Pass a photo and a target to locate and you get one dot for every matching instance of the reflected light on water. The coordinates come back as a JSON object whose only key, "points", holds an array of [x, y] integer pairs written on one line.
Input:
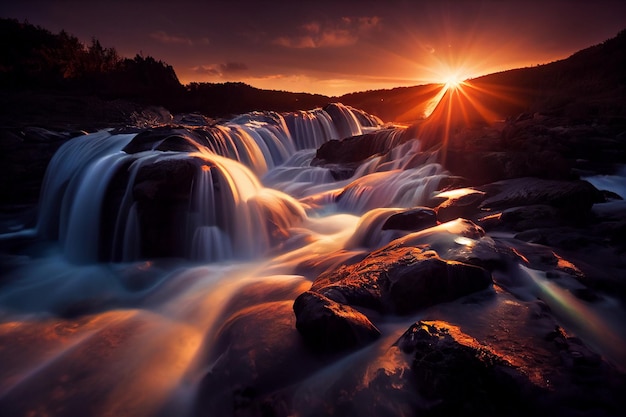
{"points": [[141, 358], [604, 332], [462, 240], [458, 193]]}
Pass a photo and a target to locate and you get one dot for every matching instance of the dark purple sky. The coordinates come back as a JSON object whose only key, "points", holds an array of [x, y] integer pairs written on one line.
{"points": [[333, 47]]}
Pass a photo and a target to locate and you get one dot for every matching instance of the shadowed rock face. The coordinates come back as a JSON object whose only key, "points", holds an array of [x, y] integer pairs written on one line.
{"points": [[484, 167], [401, 280], [24, 157], [570, 200], [358, 148], [162, 191], [412, 220], [165, 139], [327, 325], [571, 197], [458, 376]]}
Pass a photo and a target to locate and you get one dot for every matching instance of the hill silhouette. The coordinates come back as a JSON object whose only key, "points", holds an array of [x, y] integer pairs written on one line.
{"points": [[591, 82]]}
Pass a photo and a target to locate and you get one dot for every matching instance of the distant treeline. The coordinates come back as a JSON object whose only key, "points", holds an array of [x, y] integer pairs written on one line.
{"points": [[33, 58]]}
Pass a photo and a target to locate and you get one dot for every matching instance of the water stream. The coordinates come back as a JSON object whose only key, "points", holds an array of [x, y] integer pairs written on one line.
{"points": [[157, 267]]}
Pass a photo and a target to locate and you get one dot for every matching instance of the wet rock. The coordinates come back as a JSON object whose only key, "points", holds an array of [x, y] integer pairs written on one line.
{"points": [[401, 280], [192, 119], [357, 148], [460, 377], [162, 191], [433, 280], [463, 203], [527, 217], [165, 179], [488, 166], [163, 139], [244, 371], [327, 325], [412, 220], [560, 237], [573, 199]]}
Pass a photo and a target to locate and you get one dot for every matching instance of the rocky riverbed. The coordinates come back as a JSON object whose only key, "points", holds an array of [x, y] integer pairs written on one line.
{"points": [[502, 293]]}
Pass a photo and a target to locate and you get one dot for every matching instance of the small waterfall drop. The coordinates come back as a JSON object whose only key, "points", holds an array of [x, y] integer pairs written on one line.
{"points": [[189, 192], [395, 188]]}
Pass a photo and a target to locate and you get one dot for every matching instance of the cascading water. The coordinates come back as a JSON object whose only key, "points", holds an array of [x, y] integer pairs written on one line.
{"points": [[200, 203], [172, 258]]}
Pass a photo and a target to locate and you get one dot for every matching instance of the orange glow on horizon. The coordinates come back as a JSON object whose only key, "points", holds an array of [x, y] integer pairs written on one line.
{"points": [[465, 104], [453, 79]]}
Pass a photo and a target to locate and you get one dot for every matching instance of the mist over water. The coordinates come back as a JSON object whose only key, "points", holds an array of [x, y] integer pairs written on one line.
{"points": [[163, 255]]}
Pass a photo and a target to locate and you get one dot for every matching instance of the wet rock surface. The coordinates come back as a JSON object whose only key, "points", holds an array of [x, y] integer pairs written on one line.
{"points": [[162, 191], [401, 280], [456, 375], [411, 220], [327, 325]]}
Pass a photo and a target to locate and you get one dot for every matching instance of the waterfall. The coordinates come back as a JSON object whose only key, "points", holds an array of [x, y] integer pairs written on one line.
{"points": [[189, 192], [395, 188], [64, 171], [615, 182]]}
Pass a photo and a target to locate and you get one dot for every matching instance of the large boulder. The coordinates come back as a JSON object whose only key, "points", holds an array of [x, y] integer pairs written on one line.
{"points": [[411, 220], [401, 280], [162, 191], [327, 325], [488, 166], [165, 138], [524, 218], [429, 280], [520, 203], [463, 202], [358, 148], [458, 376], [573, 198]]}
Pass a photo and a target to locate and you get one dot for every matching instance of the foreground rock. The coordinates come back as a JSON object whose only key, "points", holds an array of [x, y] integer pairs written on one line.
{"points": [[327, 325], [457, 376], [411, 220], [399, 278]]}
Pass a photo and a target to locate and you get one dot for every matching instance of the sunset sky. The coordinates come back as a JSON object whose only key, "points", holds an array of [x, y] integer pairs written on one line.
{"points": [[333, 47]]}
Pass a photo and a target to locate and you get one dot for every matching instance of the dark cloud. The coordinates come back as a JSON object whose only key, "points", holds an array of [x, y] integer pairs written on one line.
{"points": [[221, 70], [231, 67], [344, 31], [163, 37], [167, 39]]}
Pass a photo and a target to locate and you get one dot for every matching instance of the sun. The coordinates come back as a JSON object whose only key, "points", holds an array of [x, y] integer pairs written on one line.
{"points": [[452, 81]]}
